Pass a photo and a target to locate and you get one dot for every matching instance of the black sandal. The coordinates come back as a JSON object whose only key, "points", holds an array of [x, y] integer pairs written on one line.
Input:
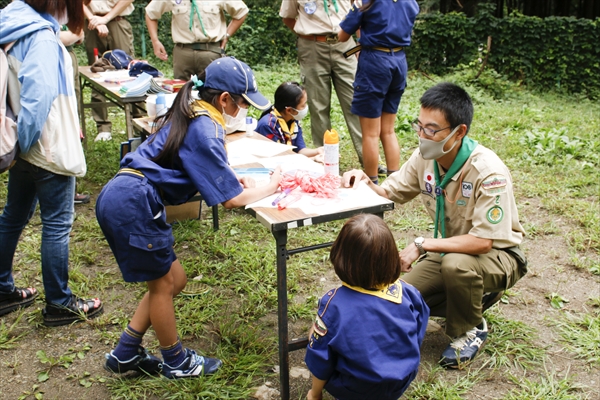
{"points": [[75, 311], [19, 298]]}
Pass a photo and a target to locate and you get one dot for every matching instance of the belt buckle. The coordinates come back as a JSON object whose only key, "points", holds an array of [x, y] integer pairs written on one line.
{"points": [[331, 39]]}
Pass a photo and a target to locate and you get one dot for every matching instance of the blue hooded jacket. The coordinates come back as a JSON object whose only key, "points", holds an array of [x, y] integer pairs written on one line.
{"points": [[42, 73]]}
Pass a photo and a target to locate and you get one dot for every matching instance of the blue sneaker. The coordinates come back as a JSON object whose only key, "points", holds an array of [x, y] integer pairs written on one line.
{"points": [[193, 365], [142, 362], [464, 348]]}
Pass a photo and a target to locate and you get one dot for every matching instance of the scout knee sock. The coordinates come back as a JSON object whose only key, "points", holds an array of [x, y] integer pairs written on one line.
{"points": [[173, 355], [374, 179], [128, 344], [388, 173]]}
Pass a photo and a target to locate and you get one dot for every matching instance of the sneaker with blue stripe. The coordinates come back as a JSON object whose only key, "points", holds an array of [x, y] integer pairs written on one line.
{"points": [[141, 362], [193, 365], [464, 349]]}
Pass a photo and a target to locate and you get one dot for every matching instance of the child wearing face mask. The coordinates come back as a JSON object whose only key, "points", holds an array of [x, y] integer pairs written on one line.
{"points": [[186, 155], [282, 122]]}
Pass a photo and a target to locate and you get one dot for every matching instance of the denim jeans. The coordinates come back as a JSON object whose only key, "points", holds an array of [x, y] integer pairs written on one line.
{"points": [[28, 184]]}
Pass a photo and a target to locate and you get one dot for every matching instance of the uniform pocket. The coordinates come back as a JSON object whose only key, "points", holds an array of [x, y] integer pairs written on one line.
{"points": [[151, 251]]}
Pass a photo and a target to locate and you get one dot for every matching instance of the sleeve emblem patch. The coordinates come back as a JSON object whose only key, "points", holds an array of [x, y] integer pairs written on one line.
{"points": [[496, 181], [319, 327], [495, 214]]}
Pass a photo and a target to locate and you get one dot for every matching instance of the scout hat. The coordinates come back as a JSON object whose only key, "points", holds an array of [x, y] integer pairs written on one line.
{"points": [[236, 77]]}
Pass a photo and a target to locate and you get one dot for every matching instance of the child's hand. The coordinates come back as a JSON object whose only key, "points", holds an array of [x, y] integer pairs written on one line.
{"points": [[318, 158], [314, 396], [276, 178], [247, 182]]}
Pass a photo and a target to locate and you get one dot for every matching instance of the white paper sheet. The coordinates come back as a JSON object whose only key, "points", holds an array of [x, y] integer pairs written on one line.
{"points": [[292, 162], [260, 148]]}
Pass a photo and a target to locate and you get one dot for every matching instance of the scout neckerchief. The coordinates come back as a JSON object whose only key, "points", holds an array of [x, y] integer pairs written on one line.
{"points": [[392, 292], [466, 148], [284, 129], [196, 10], [335, 5], [201, 107]]}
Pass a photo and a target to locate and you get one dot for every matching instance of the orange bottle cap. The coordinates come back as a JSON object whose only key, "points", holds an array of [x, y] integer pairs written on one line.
{"points": [[331, 137]]}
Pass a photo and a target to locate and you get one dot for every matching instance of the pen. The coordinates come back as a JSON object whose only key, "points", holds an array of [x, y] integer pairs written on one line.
{"points": [[282, 196]]}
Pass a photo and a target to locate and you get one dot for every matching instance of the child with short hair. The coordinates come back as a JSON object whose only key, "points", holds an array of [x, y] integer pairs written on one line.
{"points": [[365, 341], [385, 29], [281, 123], [185, 156]]}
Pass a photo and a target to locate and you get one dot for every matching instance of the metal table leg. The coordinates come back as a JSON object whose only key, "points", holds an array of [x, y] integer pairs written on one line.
{"points": [[282, 317]]}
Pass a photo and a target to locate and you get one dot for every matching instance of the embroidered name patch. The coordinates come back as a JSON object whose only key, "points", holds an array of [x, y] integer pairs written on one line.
{"points": [[495, 214], [467, 189]]}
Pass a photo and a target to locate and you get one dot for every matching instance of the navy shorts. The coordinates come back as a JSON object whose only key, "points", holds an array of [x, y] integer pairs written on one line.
{"points": [[133, 219], [379, 83], [348, 387]]}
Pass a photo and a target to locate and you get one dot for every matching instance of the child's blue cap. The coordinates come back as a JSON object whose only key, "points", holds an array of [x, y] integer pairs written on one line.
{"points": [[234, 76]]}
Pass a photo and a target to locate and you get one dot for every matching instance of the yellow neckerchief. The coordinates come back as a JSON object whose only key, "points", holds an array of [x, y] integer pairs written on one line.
{"points": [[287, 136], [392, 292], [201, 107]]}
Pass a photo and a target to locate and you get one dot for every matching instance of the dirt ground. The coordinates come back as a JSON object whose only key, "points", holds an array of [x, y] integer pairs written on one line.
{"points": [[550, 270]]}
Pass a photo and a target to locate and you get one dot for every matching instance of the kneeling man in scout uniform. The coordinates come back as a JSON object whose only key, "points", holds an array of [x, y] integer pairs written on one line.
{"points": [[468, 192]]}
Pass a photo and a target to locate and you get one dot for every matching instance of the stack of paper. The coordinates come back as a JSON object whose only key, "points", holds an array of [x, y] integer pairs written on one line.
{"points": [[143, 85], [137, 88]]}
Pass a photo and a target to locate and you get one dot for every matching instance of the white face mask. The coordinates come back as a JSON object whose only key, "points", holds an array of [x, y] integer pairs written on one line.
{"points": [[432, 150], [237, 123], [301, 113]]}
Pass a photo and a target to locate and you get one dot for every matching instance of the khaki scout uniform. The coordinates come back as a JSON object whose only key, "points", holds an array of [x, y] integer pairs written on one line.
{"points": [[196, 48], [120, 36], [479, 201], [322, 63]]}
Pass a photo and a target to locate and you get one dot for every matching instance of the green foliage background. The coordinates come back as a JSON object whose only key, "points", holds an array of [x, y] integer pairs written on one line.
{"points": [[552, 53]]}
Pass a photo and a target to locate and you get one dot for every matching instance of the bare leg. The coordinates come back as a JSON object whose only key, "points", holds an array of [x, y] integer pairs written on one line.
{"points": [[156, 308], [390, 142], [371, 128]]}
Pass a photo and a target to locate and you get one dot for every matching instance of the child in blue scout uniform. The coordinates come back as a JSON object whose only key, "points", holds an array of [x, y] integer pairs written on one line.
{"points": [[282, 122], [385, 29], [185, 156], [366, 339]]}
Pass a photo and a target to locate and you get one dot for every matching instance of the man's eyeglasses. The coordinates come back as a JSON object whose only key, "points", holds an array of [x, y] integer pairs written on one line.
{"points": [[427, 131]]}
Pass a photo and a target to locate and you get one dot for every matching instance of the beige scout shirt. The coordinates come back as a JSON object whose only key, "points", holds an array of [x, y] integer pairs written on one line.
{"points": [[211, 12], [479, 200], [312, 18], [102, 7]]}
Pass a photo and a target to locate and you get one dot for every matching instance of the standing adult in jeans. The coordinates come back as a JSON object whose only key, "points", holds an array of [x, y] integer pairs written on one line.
{"points": [[107, 29], [322, 63], [199, 30], [47, 103]]}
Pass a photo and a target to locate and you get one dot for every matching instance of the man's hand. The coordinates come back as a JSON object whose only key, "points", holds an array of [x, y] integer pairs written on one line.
{"points": [[159, 50], [352, 178], [102, 30], [96, 20], [409, 255]]}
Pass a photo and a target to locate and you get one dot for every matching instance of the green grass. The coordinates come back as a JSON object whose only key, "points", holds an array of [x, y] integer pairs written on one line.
{"points": [[549, 142]]}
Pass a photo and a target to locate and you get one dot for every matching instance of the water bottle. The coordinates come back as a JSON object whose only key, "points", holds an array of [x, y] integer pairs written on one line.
{"points": [[250, 126], [331, 152], [161, 104]]}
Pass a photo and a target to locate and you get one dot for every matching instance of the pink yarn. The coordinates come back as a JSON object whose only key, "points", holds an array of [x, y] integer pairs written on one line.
{"points": [[322, 186]]}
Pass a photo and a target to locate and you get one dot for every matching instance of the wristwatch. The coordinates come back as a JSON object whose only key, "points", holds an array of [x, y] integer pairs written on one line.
{"points": [[419, 243], [227, 35]]}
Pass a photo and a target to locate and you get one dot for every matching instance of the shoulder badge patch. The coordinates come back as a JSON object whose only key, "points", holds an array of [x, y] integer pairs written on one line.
{"points": [[495, 214], [496, 181], [319, 327]]}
